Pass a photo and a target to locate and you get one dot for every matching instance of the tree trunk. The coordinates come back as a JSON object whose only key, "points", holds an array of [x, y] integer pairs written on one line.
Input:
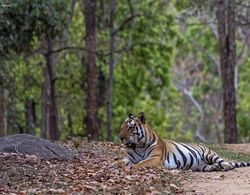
{"points": [[103, 14], [30, 116], [3, 111], [70, 125], [50, 128], [91, 106], [111, 68], [227, 48]]}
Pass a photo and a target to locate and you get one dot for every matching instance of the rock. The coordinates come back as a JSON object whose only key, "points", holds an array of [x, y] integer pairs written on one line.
{"points": [[31, 145]]}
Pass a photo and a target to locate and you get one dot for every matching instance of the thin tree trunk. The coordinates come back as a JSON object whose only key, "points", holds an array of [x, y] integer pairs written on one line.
{"points": [[111, 69], [70, 124], [50, 128], [30, 116], [3, 111], [103, 14], [198, 133], [227, 48], [91, 119]]}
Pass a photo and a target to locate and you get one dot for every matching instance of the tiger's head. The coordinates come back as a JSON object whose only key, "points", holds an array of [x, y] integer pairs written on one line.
{"points": [[132, 132]]}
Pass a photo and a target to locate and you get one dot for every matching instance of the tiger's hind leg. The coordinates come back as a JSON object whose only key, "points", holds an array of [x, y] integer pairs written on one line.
{"points": [[210, 168]]}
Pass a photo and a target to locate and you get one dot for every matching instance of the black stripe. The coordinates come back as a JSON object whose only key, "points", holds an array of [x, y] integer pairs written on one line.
{"points": [[131, 155], [176, 161], [151, 149], [130, 128], [140, 127], [196, 151], [192, 161], [211, 158], [168, 158], [151, 141], [216, 158], [236, 165], [189, 149], [203, 153], [133, 159], [140, 138], [182, 155], [203, 169], [146, 136], [141, 133], [207, 155], [221, 161], [138, 153], [179, 164], [141, 130]]}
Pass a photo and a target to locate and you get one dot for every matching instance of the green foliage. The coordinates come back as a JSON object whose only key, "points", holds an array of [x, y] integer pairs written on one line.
{"points": [[244, 101], [153, 40], [25, 19], [142, 78], [23, 25], [26, 83]]}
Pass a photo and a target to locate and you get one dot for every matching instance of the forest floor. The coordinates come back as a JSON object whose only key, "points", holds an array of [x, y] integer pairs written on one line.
{"points": [[94, 173]]}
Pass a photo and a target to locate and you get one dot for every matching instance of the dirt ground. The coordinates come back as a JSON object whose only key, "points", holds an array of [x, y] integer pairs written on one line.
{"points": [[221, 183]]}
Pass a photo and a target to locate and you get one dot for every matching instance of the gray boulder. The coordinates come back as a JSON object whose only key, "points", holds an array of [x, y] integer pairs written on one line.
{"points": [[31, 145]]}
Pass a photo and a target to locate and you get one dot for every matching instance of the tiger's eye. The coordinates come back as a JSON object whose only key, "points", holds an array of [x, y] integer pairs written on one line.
{"points": [[132, 123]]}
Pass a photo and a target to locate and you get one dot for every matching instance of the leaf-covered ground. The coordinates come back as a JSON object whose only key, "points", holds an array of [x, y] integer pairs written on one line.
{"points": [[92, 173]]}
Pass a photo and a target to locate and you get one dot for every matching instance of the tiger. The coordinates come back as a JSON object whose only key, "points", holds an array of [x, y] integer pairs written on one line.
{"points": [[146, 149]]}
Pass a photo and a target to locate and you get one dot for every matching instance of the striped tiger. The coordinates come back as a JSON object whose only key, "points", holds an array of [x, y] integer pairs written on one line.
{"points": [[146, 148]]}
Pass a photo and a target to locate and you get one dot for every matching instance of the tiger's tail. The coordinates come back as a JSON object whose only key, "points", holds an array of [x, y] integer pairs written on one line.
{"points": [[241, 164]]}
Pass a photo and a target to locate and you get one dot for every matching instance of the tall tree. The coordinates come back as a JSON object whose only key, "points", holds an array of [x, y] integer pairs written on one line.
{"points": [[50, 128], [29, 106], [50, 118], [3, 111], [111, 70], [30, 116], [91, 105], [22, 28], [227, 49]]}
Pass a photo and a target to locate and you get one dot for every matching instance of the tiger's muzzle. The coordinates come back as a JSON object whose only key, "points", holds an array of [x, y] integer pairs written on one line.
{"points": [[128, 143]]}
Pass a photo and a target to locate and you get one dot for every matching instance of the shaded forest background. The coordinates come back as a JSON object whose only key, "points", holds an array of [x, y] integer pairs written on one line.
{"points": [[77, 68]]}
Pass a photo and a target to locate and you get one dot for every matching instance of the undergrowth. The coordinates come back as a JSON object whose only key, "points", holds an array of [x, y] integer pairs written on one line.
{"points": [[229, 155]]}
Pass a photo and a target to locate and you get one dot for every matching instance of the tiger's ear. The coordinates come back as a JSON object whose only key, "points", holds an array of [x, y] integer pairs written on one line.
{"points": [[142, 117], [131, 116]]}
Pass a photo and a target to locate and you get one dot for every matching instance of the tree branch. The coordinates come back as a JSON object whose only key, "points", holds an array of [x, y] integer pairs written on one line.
{"points": [[125, 22], [199, 108], [73, 48], [124, 49], [199, 128]]}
